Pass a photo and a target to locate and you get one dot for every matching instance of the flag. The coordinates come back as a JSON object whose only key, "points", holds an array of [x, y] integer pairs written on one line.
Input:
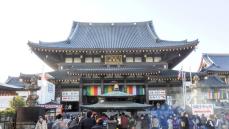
{"points": [[179, 76]]}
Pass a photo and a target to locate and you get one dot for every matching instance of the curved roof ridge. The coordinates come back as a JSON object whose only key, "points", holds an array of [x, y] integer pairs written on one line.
{"points": [[181, 41], [151, 27], [73, 30], [216, 54], [152, 33], [210, 60], [125, 23], [56, 42]]}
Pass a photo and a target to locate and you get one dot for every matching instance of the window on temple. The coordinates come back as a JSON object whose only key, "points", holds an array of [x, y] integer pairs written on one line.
{"points": [[129, 59], [138, 59], [68, 60], [88, 60], [77, 60], [97, 60], [157, 59], [149, 59]]}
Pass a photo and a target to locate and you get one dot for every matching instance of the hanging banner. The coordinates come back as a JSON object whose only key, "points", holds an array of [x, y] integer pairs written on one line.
{"points": [[217, 94], [70, 96], [47, 91], [159, 94], [199, 109], [135, 90]]}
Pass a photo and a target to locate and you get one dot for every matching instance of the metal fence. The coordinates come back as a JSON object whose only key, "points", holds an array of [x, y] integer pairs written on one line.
{"points": [[7, 122]]}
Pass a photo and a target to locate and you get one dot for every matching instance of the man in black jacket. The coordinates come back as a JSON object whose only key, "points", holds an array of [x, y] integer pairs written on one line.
{"points": [[88, 122], [184, 124]]}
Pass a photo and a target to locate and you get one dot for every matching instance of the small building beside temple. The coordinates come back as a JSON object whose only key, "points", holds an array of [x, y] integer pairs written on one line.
{"points": [[212, 87], [215, 64], [13, 87], [94, 55]]}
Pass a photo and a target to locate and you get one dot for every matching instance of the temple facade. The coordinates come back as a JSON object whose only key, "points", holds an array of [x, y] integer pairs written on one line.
{"points": [[95, 55]]}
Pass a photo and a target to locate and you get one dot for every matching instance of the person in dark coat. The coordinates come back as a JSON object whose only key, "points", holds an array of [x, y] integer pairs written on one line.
{"points": [[88, 122], [99, 124], [210, 123], [112, 123], [184, 123], [74, 123], [144, 122]]}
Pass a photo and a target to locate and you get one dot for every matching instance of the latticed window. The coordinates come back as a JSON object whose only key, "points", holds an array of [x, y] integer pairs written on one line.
{"points": [[157, 59], [68, 60], [129, 59], [97, 59], [77, 60], [138, 59], [88, 60], [149, 59]]}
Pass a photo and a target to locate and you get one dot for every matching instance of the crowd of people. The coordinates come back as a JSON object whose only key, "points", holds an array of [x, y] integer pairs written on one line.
{"points": [[159, 118]]}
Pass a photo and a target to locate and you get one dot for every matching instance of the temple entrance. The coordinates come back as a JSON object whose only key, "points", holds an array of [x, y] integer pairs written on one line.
{"points": [[156, 102], [90, 99], [70, 106], [139, 99]]}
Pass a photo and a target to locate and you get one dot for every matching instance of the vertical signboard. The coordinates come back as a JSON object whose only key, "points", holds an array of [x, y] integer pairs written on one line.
{"points": [[47, 91]]}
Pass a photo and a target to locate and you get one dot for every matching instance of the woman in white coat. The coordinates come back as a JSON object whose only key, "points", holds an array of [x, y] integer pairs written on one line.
{"points": [[41, 123]]}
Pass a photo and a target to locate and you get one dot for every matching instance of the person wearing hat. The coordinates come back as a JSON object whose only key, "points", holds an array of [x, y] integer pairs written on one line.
{"points": [[41, 123]]}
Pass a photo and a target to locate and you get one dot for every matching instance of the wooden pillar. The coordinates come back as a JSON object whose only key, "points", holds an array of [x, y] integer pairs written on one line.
{"points": [[102, 85], [80, 94], [125, 84], [147, 91]]}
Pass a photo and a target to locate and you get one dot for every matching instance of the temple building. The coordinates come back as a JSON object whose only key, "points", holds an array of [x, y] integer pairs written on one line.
{"points": [[94, 55], [213, 84], [215, 64], [8, 90]]}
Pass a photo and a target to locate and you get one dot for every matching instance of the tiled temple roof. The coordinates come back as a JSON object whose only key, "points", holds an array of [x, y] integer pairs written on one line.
{"points": [[4, 86], [95, 36], [211, 82], [117, 105], [15, 81], [216, 62]]}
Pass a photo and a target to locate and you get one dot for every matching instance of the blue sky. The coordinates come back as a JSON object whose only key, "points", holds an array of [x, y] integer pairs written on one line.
{"points": [[50, 20]]}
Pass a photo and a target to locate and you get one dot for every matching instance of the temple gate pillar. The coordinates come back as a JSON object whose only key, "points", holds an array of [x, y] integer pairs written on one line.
{"points": [[147, 91], [80, 94], [102, 85]]}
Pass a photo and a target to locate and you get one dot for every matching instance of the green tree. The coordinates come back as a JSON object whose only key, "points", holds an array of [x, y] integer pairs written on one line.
{"points": [[16, 102]]}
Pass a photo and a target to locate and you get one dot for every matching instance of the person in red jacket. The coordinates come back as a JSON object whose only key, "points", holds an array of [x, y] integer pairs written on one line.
{"points": [[124, 121]]}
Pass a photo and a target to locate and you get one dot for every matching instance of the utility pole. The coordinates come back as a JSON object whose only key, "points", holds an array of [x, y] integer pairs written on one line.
{"points": [[184, 87]]}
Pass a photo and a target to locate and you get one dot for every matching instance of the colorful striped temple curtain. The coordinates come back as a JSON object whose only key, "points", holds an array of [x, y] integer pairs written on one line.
{"points": [[217, 94], [135, 90], [92, 91], [108, 89]]}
